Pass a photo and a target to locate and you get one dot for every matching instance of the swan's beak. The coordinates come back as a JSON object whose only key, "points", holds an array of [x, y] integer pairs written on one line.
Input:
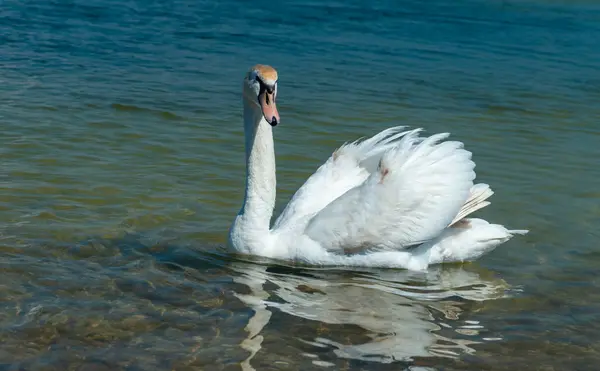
{"points": [[269, 109]]}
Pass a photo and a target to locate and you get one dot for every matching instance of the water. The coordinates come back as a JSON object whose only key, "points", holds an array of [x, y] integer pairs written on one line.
{"points": [[122, 166]]}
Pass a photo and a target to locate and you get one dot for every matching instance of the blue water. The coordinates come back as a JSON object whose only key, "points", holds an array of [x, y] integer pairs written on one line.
{"points": [[121, 167]]}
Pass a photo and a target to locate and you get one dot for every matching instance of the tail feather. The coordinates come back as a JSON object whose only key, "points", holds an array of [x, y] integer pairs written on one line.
{"points": [[477, 200], [475, 238]]}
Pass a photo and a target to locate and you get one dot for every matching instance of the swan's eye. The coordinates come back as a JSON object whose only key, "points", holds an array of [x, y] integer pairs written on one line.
{"points": [[269, 88]]}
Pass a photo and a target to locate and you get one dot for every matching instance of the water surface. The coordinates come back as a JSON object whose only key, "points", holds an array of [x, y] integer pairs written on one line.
{"points": [[121, 157]]}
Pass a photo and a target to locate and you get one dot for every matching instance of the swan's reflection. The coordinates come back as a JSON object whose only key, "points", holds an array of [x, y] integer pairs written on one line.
{"points": [[397, 308]]}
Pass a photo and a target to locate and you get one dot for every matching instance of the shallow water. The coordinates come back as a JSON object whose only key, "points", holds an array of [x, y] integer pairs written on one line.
{"points": [[122, 166]]}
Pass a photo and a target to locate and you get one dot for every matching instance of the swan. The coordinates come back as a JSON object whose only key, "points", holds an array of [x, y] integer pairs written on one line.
{"points": [[393, 200]]}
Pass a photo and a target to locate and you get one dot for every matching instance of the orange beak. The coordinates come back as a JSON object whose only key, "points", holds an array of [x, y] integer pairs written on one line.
{"points": [[269, 109]]}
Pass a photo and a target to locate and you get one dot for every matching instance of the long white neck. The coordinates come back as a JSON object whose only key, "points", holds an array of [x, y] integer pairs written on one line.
{"points": [[259, 200]]}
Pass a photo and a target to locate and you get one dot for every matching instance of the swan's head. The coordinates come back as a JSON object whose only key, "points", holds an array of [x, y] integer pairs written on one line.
{"points": [[260, 91]]}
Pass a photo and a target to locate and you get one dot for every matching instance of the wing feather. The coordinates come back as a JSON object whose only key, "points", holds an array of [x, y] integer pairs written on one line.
{"points": [[417, 190], [348, 167]]}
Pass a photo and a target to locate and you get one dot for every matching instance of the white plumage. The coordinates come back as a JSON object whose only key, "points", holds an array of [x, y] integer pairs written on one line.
{"points": [[392, 200]]}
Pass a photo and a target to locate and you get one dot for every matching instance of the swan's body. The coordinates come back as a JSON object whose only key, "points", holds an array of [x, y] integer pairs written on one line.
{"points": [[392, 200]]}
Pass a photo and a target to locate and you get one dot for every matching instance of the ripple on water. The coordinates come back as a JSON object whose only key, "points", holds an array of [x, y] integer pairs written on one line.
{"points": [[165, 115], [122, 162]]}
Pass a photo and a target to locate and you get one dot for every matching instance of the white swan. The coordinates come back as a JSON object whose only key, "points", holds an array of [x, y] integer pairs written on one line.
{"points": [[392, 200]]}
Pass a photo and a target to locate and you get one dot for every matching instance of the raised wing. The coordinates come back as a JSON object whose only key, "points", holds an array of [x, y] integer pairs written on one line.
{"points": [[416, 191], [348, 167]]}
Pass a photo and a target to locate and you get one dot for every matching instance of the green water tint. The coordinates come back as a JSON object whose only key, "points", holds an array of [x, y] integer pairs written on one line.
{"points": [[122, 166]]}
